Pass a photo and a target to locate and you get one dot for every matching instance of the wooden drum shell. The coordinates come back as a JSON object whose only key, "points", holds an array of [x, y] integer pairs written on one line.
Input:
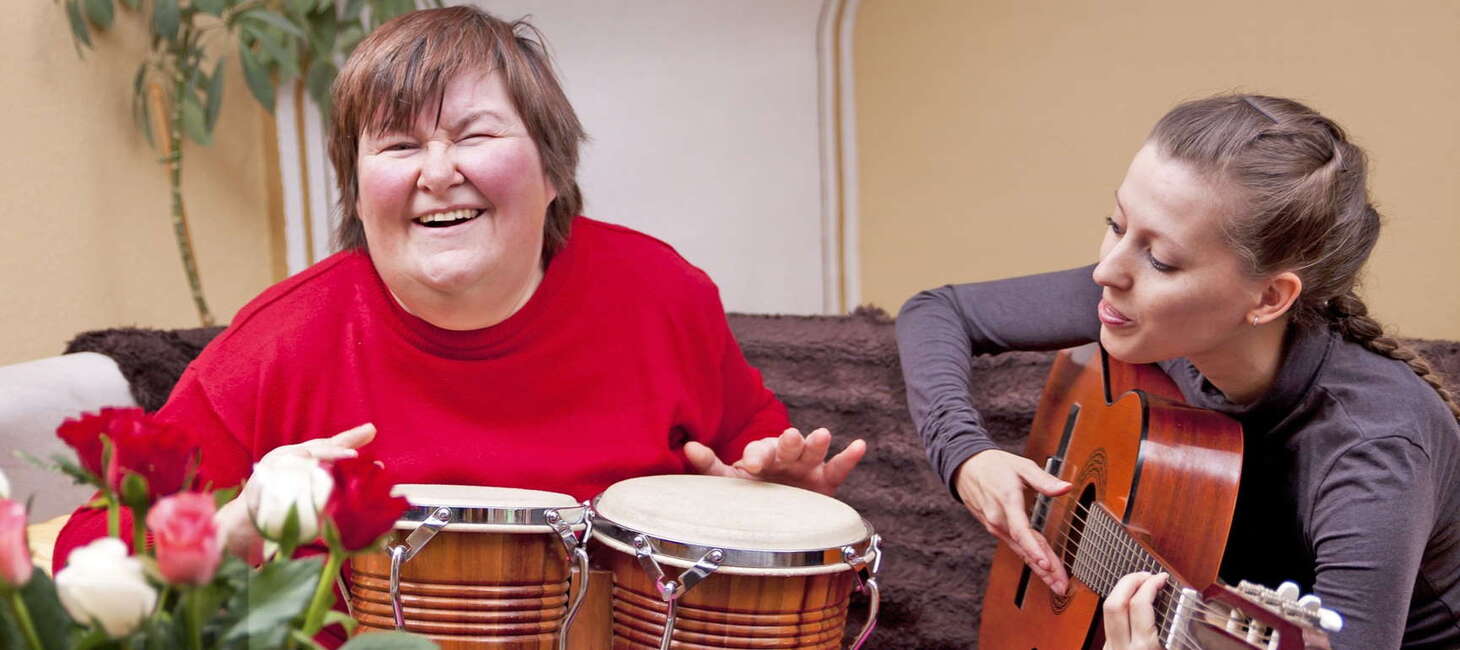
{"points": [[729, 610], [470, 590]]}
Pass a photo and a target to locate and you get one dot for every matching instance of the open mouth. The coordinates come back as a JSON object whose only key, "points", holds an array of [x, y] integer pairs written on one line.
{"points": [[447, 219]]}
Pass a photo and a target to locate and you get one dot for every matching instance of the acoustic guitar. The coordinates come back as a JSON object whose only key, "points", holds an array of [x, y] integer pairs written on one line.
{"points": [[1154, 486]]}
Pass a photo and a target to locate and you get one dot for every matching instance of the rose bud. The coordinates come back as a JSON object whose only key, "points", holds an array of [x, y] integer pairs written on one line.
{"points": [[362, 507], [102, 585], [188, 547], [283, 482], [15, 562]]}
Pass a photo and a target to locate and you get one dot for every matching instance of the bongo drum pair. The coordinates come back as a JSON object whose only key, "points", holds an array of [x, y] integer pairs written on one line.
{"points": [[696, 562]]}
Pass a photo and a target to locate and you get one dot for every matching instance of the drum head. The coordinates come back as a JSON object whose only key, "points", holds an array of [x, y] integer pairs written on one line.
{"points": [[772, 522], [476, 508]]}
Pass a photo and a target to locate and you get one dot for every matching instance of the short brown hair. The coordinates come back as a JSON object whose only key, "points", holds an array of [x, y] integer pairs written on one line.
{"points": [[403, 68]]}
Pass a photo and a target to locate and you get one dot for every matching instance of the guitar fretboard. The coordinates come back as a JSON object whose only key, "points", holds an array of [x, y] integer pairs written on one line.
{"points": [[1104, 552]]}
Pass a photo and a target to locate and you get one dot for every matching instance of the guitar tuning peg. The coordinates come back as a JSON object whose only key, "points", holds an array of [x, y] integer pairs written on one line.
{"points": [[1310, 602], [1288, 591], [1329, 620]]}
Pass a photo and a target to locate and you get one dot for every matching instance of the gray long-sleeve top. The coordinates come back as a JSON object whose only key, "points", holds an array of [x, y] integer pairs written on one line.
{"points": [[1351, 469]]}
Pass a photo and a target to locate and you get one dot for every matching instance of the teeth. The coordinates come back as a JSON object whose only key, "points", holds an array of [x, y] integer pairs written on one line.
{"points": [[454, 215]]}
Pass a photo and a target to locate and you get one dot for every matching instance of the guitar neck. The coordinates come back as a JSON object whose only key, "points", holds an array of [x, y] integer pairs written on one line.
{"points": [[1104, 551]]}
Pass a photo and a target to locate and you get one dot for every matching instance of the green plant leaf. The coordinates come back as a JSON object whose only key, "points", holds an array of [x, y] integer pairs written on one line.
{"points": [[353, 9], [276, 595], [194, 121], [389, 640], [214, 7], [223, 496], [299, 7], [271, 18], [166, 16], [323, 28], [79, 33], [215, 95], [273, 50], [132, 4], [257, 77], [337, 617], [349, 37], [100, 13], [321, 75], [52, 623]]}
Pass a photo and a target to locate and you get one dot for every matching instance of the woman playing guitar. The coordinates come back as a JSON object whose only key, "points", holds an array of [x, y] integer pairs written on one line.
{"points": [[1230, 260]]}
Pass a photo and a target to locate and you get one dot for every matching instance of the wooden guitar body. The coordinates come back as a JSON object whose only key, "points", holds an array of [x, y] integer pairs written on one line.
{"points": [[1122, 435]]}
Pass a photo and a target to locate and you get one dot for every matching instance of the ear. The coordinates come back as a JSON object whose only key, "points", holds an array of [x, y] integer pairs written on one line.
{"points": [[1278, 295]]}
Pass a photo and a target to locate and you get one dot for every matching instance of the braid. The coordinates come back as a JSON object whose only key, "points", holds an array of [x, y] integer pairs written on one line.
{"points": [[1350, 316]]}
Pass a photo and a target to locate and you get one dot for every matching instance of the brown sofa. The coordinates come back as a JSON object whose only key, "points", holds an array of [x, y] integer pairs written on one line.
{"points": [[841, 373]]}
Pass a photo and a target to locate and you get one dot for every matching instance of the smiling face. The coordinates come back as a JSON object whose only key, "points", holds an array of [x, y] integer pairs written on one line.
{"points": [[1173, 287], [453, 207]]}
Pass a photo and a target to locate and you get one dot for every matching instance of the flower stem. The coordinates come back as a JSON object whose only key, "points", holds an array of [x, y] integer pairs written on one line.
{"points": [[195, 615], [113, 518], [139, 533], [315, 617], [27, 628]]}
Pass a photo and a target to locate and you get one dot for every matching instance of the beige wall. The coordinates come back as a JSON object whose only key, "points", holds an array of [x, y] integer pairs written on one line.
{"points": [[991, 134], [87, 240]]}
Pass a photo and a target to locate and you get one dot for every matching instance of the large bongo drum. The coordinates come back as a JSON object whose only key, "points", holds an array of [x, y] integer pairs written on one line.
{"points": [[704, 562], [477, 567]]}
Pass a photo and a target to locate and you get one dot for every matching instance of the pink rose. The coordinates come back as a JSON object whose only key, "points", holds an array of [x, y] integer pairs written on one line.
{"points": [[15, 564], [188, 548]]}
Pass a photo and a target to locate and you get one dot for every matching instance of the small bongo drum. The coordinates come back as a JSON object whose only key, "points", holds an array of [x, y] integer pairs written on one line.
{"points": [[477, 567], [704, 562]]}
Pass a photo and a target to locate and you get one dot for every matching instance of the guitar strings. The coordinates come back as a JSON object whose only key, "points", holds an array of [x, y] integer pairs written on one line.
{"points": [[1123, 543]]}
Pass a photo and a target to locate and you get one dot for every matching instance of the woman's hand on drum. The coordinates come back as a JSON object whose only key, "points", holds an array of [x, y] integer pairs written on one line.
{"points": [[790, 459], [1130, 612], [238, 533], [991, 484]]}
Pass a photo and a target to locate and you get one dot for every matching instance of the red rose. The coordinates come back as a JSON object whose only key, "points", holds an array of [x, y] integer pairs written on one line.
{"points": [[361, 506], [15, 565], [188, 548], [84, 435], [159, 452]]}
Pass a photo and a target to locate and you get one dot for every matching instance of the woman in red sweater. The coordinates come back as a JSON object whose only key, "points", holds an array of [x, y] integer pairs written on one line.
{"points": [[491, 334]]}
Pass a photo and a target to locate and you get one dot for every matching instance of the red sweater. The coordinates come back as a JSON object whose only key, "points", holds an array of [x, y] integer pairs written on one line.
{"points": [[621, 356]]}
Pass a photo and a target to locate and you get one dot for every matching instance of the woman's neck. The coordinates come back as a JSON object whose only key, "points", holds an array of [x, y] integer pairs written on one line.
{"points": [[1245, 369], [476, 308]]}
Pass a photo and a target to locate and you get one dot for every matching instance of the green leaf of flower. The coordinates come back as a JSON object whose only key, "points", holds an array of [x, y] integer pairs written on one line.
{"points": [[52, 623], [388, 641], [166, 16], [134, 489], [100, 12], [276, 595], [257, 77], [215, 95], [78, 25]]}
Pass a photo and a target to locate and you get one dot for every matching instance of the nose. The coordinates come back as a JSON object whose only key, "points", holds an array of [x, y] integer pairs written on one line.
{"points": [[1111, 271], [438, 169]]}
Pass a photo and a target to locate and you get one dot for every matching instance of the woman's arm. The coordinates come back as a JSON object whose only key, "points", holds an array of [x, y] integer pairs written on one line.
{"points": [[1371, 520], [939, 331]]}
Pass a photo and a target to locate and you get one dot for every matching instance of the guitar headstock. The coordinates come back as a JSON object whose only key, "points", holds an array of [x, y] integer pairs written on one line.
{"points": [[1254, 616]]}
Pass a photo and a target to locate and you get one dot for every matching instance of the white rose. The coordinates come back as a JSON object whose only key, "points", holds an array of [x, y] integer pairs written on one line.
{"points": [[4, 486], [283, 481], [101, 584]]}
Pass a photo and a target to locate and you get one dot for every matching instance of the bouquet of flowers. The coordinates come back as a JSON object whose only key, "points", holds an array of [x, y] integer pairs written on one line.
{"points": [[177, 588]]}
